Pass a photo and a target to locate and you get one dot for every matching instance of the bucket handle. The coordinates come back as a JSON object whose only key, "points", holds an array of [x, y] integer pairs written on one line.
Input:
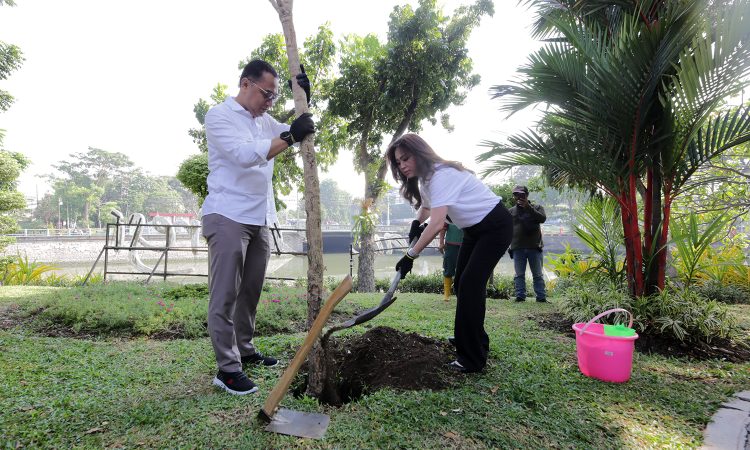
{"points": [[630, 325]]}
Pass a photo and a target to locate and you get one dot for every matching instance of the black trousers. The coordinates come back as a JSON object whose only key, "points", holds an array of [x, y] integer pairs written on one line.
{"points": [[483, 245]]}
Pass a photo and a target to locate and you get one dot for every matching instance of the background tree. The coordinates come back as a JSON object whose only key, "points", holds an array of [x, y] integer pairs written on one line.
{"points": [[633, 90], [11, 59], [11, 163], [87, 177], [91, 184], [386, 89], [336, 203], [46, 210]]}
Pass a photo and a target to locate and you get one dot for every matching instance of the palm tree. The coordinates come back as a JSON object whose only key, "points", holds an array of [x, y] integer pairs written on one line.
{"points": [[633, 91]]}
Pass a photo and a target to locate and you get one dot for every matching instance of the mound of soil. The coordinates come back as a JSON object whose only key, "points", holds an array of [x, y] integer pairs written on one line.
{"points": [[659, 344], [384, 357]]}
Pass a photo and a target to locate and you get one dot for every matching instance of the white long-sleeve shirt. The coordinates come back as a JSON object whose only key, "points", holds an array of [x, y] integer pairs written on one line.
{"points": [[239, 178]]}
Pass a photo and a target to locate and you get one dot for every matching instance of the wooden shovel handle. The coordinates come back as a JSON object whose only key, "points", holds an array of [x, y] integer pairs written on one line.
{"points": [[278, 392]]}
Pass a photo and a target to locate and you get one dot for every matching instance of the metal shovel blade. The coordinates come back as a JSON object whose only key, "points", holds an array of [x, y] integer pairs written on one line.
{"points": [[298, 423]]}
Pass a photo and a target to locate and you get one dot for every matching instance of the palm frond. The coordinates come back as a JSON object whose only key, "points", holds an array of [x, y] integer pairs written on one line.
{"points": [[725, 131]]}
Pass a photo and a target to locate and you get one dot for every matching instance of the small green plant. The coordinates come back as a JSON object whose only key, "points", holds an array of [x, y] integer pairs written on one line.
{"points": [[365, 222], [21, 271], [600, 228], [571, 264], [195, 290], [726, 265]]}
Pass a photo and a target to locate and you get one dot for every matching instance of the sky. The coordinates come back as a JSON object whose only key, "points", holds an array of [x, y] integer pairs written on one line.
{"points": [[124, 76]]}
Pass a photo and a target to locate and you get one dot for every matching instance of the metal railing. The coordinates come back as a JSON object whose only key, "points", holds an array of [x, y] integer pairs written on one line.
{"points": [[58, 232], [353, 252], [117, 232]]}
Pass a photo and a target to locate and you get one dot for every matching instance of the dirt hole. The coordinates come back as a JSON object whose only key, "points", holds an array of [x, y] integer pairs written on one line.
{"points": [[383, 357]]}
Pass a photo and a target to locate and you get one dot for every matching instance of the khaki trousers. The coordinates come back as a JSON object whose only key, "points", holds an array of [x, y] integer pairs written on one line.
{"points": [[238, 255]]}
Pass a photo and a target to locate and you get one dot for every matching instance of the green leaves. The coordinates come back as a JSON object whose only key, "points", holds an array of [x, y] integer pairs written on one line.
{"points": [[11, 59], [631, 90], [193, 173], [600, 228], [723, 132], [692, 239]]}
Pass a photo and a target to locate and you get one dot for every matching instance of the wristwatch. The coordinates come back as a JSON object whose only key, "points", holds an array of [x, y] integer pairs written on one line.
{"points": [[287, 137]]}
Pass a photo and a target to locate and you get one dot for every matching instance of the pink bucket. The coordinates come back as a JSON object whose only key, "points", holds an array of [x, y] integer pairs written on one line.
{"points": [[606, 358]]}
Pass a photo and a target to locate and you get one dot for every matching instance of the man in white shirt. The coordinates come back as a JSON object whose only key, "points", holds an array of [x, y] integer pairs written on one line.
{"points": [[242, 142]]}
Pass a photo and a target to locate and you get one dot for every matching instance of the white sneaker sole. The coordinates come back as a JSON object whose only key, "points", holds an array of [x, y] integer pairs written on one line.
{"points": [[217, 382]]}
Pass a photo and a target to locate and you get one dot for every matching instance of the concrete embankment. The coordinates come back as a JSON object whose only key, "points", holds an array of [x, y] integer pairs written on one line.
{"points": [[73, 251], [86, 250]]}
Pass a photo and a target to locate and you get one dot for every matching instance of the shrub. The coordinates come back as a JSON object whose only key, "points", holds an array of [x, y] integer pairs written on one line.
{"points": [[721, 292], [502, 288], [680, 314], [584, 299], [687, 316], [134, 309]]}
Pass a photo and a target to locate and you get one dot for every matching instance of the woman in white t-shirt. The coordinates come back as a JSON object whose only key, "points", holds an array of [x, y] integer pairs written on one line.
{"points": [[441, 190]]}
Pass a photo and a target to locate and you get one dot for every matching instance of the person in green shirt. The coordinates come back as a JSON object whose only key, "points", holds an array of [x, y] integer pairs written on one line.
{"points": [[450, 241]]}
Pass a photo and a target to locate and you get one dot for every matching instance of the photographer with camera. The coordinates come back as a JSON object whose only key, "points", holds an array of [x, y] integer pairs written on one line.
{"points": [[527, 244]]}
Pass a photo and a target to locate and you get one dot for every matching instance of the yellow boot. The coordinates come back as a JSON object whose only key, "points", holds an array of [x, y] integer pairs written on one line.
{"points": [[447, 285]]}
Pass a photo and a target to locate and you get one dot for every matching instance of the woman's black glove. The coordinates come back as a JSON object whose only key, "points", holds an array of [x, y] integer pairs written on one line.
{"points": [[303, 82], [404, 265], [302, 126], [416, 230]]}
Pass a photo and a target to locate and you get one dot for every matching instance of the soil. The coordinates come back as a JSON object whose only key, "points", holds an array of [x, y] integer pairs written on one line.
{"points": [[662, 345], [384, 358]]}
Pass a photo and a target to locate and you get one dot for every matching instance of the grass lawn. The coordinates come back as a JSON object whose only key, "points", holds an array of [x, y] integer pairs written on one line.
{"points": [[133, 391]]}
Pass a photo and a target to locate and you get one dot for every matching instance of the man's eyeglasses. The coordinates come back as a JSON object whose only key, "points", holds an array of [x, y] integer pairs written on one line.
{"points": [[268, 95]]}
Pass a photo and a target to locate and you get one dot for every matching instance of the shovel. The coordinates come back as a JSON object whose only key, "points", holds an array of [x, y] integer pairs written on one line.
{"points": [[296, 423], [364, 316]]}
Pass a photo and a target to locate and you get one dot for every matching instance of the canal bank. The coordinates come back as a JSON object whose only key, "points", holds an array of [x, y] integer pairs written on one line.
{"points": [[76, 256]]}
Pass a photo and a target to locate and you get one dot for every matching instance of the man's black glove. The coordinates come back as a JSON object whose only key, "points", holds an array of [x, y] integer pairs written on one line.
{"points": [[302, 81], [510, 253], [302, 126], [416, 230], [404, 265]]}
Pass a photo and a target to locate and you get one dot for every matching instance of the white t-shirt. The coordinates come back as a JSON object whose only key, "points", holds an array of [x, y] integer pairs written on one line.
{"points": [[468, 199], [239, 177]]}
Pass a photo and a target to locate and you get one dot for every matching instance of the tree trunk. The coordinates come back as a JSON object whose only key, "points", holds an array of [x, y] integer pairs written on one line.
{"points": [[373, 188], [314, 233], [86, 214], [366, 262]]}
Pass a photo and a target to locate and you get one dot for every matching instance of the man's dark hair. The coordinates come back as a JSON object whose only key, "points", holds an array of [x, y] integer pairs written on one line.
{"points": [[255, 68]]}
